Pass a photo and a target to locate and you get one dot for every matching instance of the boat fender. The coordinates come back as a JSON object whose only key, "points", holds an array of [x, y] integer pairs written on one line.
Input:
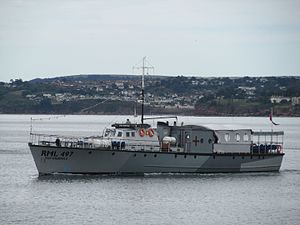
{"points": [[142, 132], [150, 132]]}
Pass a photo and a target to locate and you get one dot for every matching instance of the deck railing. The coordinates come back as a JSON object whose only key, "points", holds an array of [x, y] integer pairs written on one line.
{"points": [[92, 142], [267, 142], [63, 141]]}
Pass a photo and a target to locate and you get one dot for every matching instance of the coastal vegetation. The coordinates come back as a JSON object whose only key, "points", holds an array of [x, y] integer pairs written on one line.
{"points": [[183, 95]]}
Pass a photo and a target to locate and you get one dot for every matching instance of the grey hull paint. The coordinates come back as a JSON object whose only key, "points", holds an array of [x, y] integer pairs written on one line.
{"points": [[50, 160]]}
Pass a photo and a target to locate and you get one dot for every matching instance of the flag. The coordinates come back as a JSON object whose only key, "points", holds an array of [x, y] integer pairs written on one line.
{"points": [[271, 118]]}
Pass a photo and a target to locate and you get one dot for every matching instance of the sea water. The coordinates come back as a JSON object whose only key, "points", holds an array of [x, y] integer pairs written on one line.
{"points": [[246, 198]]}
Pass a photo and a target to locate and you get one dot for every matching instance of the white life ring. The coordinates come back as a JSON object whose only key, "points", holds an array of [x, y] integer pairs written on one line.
{"points": [[279, 148], [142, 132], [150, 132]]}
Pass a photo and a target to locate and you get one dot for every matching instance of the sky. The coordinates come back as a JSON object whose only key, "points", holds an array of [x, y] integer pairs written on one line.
{"points": [[52, 38]]}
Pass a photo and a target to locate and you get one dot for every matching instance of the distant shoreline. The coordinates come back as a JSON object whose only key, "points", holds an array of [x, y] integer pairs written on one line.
{"points": [[121, 95], [179, 115]]}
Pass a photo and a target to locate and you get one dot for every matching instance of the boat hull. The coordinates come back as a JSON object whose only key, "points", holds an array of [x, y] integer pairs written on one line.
{"points": [[49, 160]]}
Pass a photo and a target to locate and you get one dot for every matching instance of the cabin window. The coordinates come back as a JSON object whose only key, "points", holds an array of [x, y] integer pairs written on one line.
{"points": [[109, 133], [132, 134], [246, 137], [119, 134], [227, 137], [237, 137], [201, 140], [209, 141], [127, 134]]}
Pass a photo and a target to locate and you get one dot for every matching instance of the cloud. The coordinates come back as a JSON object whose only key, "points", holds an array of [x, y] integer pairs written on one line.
{"points": [[78, 36]]}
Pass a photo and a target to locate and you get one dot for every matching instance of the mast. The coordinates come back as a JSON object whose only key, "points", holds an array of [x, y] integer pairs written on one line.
{"points": [[143, 89], [144, 68]]}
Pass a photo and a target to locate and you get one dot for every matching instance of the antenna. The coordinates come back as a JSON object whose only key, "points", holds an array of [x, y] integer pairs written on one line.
{"points": [[30, 125], [42, 118], [146, 66]]}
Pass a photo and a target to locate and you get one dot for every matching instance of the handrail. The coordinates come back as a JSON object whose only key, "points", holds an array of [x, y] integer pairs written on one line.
{"points": [[87, 142], [267, 133]]}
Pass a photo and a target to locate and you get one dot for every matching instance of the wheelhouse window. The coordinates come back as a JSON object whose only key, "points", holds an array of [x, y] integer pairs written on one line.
{"points": [[106, 134], [120, 134], [127, 134], [132, 134], [246, 137], [109, 133]]}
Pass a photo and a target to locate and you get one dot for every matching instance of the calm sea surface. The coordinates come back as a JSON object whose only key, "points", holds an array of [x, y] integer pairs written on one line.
{"points": [[249, 198]]}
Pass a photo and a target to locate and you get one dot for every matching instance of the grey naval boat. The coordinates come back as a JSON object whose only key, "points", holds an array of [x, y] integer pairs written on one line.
{"points": [[132, 148], [138, 148]]}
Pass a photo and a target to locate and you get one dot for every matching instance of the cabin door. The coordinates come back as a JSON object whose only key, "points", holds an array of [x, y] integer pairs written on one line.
{"points": [[187, 141]]}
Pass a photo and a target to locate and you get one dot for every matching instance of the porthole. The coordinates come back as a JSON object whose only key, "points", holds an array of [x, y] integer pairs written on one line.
{"points": [[214, 156], [184, 156], [195, 156], [155, 155], [233, 157], [201, 140], [145, 155], [113, 153], [134, 155], [209, 141], [243, 157], [175, 156]]}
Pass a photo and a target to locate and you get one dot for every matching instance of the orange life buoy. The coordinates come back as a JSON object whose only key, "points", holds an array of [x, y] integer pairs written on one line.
{"points": [[142, 132], [150, 132]]}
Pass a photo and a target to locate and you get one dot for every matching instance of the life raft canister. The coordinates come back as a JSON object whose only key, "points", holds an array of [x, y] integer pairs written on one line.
{"points": [[150, 132], [142, 132]]}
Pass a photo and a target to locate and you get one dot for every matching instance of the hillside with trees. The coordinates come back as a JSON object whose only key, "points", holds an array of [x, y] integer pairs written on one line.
{"points": [[120, 94]]}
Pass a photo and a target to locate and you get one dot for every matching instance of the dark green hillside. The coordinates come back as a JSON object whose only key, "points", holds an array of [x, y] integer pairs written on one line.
{"points": [[120, 94]]}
